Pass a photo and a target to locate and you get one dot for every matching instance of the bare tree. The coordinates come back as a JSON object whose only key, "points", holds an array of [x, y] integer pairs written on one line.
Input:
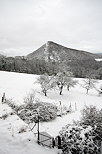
{"points": [[71, 83], [46, 83], [88, 84], [61, 80]]}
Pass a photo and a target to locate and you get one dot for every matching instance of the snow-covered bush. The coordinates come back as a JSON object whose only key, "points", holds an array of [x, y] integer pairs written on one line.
{"points": [[85, 136], [29, 112], [78, 140], [93, 117], [90, 116]]}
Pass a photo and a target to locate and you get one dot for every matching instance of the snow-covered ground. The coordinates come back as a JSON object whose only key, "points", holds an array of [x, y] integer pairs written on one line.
{"points": [[98, 59], [16, 86]]}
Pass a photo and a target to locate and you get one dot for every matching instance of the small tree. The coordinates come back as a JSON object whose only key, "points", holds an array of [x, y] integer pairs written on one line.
{"points": [[62, 79], [88, 84], [46, 83], [71, 83]]}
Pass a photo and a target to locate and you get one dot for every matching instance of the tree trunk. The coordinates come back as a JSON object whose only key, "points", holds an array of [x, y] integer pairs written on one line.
{"points": [[87, 91], [61, 88], [45, 93], [68, 88]]}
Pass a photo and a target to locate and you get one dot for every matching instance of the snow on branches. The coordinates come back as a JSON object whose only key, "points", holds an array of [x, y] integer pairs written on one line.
{"points": [[46, 83]]}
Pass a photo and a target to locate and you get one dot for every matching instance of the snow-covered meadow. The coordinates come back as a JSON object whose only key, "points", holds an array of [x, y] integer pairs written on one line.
{"points": [[16, 87]]}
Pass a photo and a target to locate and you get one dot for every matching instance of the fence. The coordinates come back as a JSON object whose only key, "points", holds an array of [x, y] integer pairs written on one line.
{"points": [[45, 139]]}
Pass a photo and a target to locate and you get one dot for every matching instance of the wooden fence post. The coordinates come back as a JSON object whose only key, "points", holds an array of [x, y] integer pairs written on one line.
{"points": [[3, 97]]}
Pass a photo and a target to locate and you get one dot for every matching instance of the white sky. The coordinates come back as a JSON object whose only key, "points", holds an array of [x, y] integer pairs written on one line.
{"points": [[25, 25]]}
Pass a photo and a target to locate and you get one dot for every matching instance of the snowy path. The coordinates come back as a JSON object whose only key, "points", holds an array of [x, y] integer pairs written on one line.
{"points": [[56, 125]]}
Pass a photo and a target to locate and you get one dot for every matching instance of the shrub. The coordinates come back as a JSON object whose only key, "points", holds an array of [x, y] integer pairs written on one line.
{"points": [[90, 116], [84, 137], [78, 140], [93, 117], [29, 112]]}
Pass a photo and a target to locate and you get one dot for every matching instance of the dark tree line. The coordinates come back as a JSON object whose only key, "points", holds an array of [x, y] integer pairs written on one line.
{"points": [[78, 68]]}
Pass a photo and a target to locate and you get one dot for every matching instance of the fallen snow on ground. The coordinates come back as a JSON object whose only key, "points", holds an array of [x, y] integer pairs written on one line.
{"points": [[16, 86], [13, 142], [98, 59]]}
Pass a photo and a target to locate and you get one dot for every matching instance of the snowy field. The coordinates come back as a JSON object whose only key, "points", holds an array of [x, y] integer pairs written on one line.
{"points": [[16, 86]]}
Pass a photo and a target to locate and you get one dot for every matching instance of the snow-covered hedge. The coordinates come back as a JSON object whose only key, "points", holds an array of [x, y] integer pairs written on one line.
{"points": [[93, 117], [79, 140], [85, 136], [29, 112]]}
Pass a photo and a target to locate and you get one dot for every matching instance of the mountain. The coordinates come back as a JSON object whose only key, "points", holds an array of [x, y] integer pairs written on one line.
{"points": [[54, 52], [51, 58], [80, 62]]}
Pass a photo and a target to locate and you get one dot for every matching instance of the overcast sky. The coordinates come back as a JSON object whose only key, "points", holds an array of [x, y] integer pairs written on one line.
{"points": [[25, 25]]}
